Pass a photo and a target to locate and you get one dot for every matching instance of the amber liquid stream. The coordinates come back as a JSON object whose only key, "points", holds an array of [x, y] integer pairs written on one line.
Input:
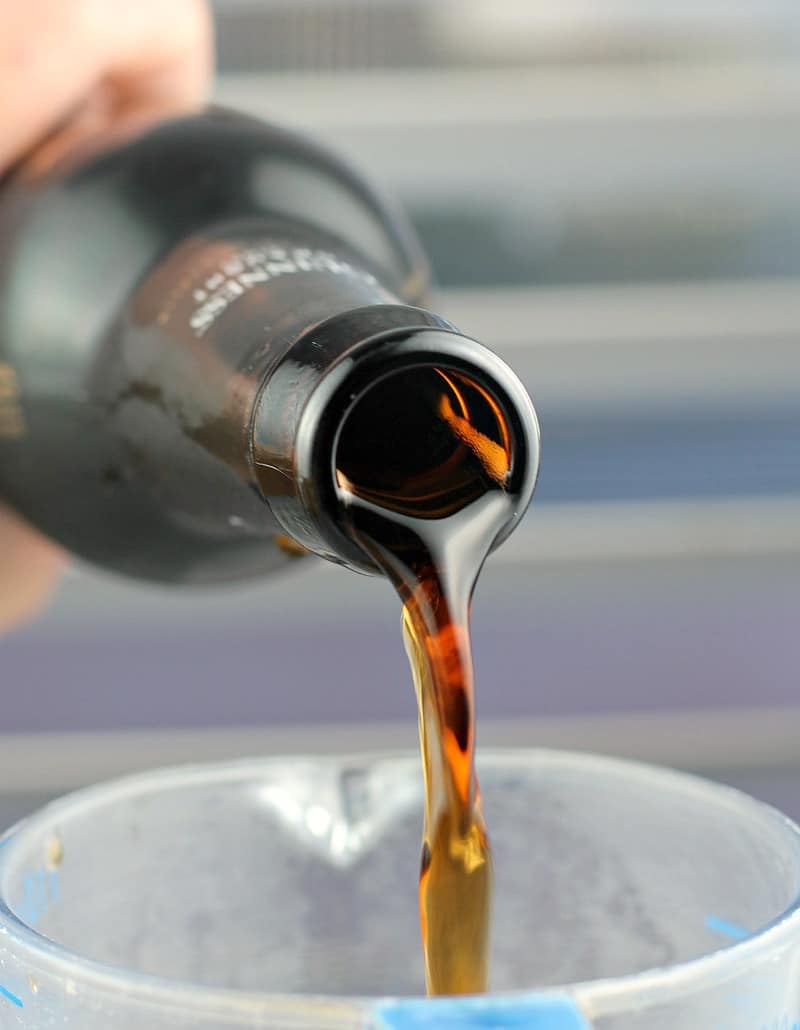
{"points": [[422, 465]]}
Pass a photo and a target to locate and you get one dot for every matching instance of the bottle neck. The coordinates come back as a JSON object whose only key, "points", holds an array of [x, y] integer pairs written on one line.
{"points": [[193, 347], [325, 377], [241, 356]]}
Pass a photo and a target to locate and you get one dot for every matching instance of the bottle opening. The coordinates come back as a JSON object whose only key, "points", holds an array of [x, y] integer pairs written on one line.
{"points": [[424, 442]]}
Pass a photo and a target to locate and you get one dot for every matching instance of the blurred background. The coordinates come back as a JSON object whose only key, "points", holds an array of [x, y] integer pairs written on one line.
{"points": [[609, 192]]}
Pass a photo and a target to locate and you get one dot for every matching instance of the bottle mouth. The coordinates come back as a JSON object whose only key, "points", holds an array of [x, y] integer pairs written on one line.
{"points": [[419, 424], [424, 442]]}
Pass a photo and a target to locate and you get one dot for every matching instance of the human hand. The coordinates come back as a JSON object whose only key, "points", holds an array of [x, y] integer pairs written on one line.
{"points": [[62, 59], [29, 567]]}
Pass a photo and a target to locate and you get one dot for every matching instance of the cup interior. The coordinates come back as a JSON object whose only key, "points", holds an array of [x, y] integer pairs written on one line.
{"points": [[300, 876]]}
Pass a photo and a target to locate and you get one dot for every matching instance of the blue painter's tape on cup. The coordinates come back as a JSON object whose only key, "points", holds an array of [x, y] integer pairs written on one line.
{"points": [[492, 1012]]}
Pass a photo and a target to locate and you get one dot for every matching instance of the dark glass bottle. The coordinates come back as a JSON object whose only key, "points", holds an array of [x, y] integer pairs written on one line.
{"points": [[186, 316]]}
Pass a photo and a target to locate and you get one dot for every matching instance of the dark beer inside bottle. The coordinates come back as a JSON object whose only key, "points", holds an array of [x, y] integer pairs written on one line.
{"points": [[423, 442], [423, 461]]}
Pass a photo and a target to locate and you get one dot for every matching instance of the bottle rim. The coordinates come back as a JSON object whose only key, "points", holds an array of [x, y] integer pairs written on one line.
{"points": [[377, 358]]}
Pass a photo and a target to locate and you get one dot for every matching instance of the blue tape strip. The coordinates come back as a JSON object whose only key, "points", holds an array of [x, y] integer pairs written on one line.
{"points": [[491, 1012], [5, 993], [717, 925]]}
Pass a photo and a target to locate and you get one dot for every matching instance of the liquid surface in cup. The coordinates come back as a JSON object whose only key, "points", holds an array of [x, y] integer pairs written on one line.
{"points": [[423, 487]]}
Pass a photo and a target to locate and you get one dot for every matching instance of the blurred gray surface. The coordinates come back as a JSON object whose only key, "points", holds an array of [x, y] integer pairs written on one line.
{"points": [[16, 805], [550, 639], [328, 34]]}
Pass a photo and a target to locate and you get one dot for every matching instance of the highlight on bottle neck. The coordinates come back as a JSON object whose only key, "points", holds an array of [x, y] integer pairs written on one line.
{"points": [[417, 421]]}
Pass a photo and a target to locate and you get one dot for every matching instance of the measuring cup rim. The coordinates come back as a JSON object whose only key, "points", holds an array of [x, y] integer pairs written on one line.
{"points": [[595, 998]]}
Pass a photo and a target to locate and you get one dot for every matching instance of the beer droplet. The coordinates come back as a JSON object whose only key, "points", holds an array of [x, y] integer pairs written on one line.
{"points": [[289, 546], [54, 853]]}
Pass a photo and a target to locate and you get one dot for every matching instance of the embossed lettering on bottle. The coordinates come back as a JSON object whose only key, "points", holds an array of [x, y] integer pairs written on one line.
{"points": [[12, 422]]}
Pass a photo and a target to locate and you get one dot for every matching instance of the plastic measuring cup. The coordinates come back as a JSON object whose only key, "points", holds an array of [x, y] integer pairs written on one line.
{"points": [[282, 893]]}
